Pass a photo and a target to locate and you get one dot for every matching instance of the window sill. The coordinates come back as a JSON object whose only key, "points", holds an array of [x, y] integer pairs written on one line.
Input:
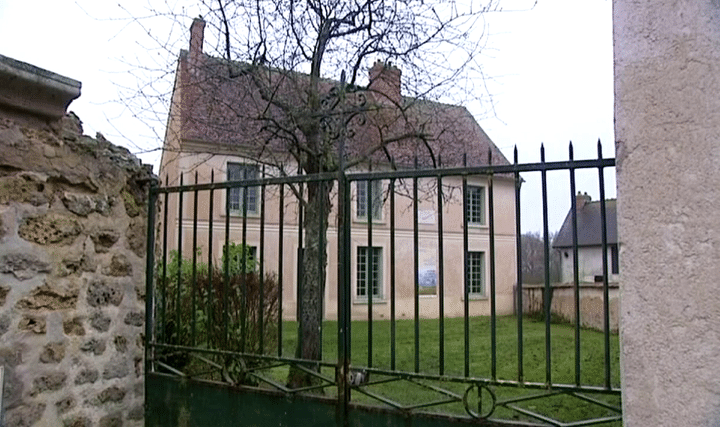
{"points": [[365, 301], [365, 221], [477, 225], [476, 297], [238, 214]]}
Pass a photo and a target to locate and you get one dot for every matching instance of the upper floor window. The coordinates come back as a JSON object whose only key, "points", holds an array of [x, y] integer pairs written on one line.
{"points": [[243, 172], [475, 205], [366, 192]]}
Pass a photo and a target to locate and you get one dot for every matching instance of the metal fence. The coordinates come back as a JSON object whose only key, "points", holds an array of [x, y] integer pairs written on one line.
{"points": [[225, 281]]}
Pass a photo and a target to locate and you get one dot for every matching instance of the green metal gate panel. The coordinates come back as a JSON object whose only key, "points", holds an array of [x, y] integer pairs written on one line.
{"points": [[174, 402], [214, 359]]}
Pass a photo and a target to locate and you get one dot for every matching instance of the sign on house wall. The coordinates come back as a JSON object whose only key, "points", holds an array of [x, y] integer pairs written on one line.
{"points": [[427, 270]]}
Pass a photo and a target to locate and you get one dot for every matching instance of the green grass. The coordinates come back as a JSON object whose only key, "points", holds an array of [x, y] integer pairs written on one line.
{"points": [[561, 407]]}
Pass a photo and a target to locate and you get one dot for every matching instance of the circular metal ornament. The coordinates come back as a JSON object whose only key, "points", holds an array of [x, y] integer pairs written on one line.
{"points": [[480, 414]]}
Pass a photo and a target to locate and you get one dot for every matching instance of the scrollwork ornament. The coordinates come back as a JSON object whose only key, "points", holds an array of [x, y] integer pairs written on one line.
{"points": [[480, 414], [344, 108]]}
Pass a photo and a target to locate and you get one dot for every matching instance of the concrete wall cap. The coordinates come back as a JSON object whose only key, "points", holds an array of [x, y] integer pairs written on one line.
{"points": [[35, 90]]}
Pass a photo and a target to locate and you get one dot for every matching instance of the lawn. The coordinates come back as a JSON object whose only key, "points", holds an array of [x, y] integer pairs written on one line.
{"points": [[534, 365]]}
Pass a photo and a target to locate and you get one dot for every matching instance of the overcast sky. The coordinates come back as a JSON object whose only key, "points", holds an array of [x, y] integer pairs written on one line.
{"points": [[548, 70]]}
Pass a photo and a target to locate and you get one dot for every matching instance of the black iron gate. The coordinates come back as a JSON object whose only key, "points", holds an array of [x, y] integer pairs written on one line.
{"points": [[221, 276]]}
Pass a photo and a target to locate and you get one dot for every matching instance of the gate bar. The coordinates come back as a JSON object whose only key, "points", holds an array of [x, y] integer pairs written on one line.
{"points": [[261, 311], [179, 262], [416, 276], [576, 268], [466, 291], [281, 247], [518, 254], [194, 263], [548, 289], [493, 311], [210, 318], [226, 268], [392, 274], [441, 277], [369, 268], [606, 296], [163, 304], [243, 272]]}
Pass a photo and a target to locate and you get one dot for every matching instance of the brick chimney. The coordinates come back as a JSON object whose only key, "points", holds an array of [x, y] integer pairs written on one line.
{"points": [[197, 34], [581, 200], [385, 82]]}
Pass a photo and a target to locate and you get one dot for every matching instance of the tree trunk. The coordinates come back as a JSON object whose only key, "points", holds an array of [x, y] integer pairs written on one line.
{"points": [[315, 224]]}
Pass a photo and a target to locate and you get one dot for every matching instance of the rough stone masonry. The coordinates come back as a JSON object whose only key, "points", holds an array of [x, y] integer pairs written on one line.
{"points": [[72, 272]]}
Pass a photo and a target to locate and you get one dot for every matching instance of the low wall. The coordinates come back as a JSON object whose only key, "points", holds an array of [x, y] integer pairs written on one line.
{"points": [[563, 303], [72, 266]]}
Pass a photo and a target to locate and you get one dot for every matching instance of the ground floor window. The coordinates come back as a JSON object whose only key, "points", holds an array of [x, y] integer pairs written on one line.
{"points": [[615, 262], [239, 254], [476, 273], [369, 272]]}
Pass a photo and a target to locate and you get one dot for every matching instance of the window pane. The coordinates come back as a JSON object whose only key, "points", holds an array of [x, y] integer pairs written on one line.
{"points": [[361, 199], [376, 198]]}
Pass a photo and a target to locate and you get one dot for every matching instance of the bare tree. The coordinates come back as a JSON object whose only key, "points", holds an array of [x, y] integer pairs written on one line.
{"points": [[291, 54], [533, 258]]}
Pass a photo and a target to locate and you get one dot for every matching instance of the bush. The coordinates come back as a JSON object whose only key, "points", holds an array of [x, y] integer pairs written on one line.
{"points": [[232, 308]]}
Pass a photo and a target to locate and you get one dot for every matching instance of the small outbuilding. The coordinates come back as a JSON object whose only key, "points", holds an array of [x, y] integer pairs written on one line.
{"points": [[589, 241]]}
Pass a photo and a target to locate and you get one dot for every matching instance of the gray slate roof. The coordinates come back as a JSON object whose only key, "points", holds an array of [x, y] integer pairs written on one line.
{"points": [[589, 228]]}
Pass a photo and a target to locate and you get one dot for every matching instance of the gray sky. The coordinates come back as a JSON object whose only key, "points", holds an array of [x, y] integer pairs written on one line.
{"points": [[548, 70]]}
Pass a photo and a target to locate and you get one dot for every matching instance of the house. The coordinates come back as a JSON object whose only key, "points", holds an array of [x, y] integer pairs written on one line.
{"points": [[213, 132], [589, 240]]}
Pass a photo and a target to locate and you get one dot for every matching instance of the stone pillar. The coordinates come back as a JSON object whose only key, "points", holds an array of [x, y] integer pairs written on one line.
{"points": [[667, 113], [72, 249]]}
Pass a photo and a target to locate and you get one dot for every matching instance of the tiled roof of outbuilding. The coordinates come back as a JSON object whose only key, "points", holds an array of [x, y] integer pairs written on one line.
{"points": [[589, 226]]}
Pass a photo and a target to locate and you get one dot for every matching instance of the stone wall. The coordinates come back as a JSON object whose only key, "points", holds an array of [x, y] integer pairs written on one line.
{"points": [[563, 303], [72, 247], [667, 125]]}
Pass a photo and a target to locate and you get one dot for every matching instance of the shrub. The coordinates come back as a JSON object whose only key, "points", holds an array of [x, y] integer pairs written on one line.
{"points": [[228, 308]]}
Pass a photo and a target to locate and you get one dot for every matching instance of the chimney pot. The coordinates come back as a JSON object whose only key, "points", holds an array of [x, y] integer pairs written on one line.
{"points": [[582, 199]]}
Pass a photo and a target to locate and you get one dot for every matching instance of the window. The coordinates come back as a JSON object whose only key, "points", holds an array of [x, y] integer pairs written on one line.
{"points": [[242, 172], [363, 204], [239, 253], [250, 258], [475, 205], [476, 273], [615, 262], [369, 269]]}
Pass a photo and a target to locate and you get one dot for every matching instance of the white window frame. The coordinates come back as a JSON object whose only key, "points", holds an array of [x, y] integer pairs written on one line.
{"points": [[235, 195], [361, 200], [476, 275], [379, 295]]}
